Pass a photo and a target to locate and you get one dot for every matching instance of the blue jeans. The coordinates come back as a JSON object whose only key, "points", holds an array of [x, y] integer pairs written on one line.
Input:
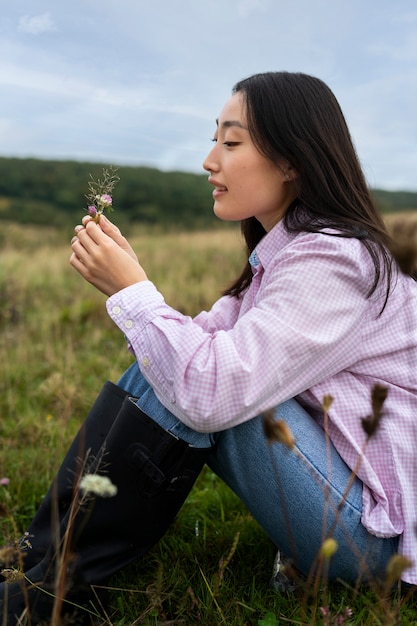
{"points": [[293, 495]]}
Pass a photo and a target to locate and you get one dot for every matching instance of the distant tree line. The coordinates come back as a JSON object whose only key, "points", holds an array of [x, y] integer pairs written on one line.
{"points": [[53, 192], [36, 191]]}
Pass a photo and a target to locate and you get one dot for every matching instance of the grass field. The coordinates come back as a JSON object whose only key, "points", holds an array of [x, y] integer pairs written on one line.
{"points": [[57, 347]]}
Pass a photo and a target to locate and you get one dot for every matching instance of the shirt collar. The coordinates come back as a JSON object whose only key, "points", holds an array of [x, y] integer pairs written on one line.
{"points": [[276, 239]]}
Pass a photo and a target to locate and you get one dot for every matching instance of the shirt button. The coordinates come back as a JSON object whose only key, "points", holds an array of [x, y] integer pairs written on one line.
{"points": [[116, 310], [128, 324], [145, 361]]}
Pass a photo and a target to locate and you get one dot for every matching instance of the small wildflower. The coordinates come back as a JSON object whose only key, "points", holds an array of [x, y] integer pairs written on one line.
{"points": [[329, 547], [104, 200], [93, 484], [4, 481], [370, 423], [277, 430], [24, 541], [338, 620], [99, 197]]}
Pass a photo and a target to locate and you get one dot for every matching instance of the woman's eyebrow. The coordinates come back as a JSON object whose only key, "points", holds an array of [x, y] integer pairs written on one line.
{"points": [[229, 123]]}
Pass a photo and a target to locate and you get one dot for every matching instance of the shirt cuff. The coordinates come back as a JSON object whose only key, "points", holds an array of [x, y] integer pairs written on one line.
{"points": [[133, 307]]}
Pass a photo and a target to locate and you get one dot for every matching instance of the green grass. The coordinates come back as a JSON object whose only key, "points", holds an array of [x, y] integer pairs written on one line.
{"points": [[57, 347]]}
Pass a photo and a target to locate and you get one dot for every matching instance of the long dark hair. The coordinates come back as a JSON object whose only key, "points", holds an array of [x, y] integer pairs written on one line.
{"points": [[296, 117]]}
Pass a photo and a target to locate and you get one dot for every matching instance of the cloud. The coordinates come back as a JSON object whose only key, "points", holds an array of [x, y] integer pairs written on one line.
{"points": [[36, 24], [141, 82], [245, 7]]}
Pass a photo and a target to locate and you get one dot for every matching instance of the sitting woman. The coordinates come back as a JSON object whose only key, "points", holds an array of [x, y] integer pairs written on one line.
{"points": [[319, 332]]}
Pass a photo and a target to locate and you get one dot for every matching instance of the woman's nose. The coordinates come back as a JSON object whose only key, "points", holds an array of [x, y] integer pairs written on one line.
{"points": [[210, 162]]}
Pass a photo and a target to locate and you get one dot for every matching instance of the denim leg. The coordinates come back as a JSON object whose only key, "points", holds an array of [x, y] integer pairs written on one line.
{"points": [[294, 494], [137, 386]]}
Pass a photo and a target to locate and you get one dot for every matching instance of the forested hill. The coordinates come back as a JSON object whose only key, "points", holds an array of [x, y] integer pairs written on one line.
{"points": [[53, 192]]}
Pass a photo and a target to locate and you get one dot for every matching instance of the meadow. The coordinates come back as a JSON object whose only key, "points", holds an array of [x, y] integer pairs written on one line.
{"points": [[57, 347]]}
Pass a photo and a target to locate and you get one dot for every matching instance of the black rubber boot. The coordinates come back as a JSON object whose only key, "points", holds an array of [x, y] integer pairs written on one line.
{"points": [[38, 538], [153, 472]]}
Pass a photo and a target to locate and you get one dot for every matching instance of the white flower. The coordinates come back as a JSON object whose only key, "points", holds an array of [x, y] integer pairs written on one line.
{"points": [[98, 486]]}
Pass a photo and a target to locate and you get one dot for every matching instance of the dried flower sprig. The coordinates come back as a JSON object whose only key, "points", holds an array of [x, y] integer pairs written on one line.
{"points": [[99, 197]]}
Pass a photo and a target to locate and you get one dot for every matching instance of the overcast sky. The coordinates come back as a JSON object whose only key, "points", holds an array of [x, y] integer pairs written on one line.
{"points": [[141, 82]]}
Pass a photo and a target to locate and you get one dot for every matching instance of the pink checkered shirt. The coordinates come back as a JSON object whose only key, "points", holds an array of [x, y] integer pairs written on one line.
{"points": [[304, 328]]}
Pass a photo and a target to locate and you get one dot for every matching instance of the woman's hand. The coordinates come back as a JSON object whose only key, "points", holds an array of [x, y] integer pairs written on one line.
{"points": [[104, 257], [112, 231]]}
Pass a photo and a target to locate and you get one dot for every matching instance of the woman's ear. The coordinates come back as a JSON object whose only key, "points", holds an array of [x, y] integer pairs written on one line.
{"points": [[290, 174]]}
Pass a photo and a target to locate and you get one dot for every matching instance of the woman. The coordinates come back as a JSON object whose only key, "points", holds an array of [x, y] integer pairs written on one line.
{"points": [[320, 314]]}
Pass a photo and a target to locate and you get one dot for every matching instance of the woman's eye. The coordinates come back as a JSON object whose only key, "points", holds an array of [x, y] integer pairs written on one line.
{"points": [[228, 144]]}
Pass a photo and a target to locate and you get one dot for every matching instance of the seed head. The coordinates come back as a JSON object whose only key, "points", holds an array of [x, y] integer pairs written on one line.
{"points": [[370, 423], [277, 430], [12, 574], [93, 484], [329, 547], [327, 402], [395, 568]]}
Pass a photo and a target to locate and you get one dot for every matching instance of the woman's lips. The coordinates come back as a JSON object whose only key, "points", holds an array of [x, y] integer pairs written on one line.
{"points": [[219, 191]]}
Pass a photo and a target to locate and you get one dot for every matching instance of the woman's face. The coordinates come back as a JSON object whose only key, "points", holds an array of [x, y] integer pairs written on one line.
{"points": [[246, 184]]}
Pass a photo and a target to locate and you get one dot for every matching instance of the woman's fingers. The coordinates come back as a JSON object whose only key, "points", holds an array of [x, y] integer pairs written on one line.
{"points": [[105, 260], [85, 244], [112, 231]]}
